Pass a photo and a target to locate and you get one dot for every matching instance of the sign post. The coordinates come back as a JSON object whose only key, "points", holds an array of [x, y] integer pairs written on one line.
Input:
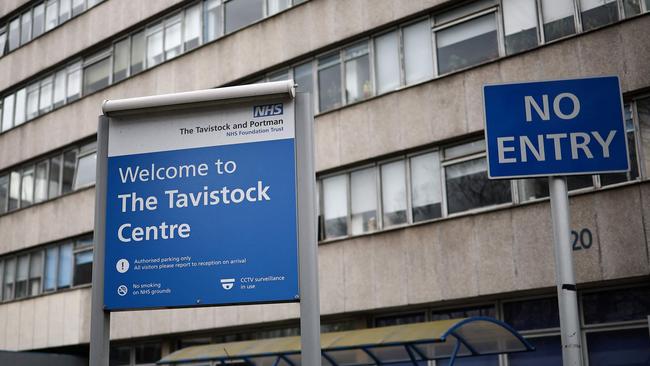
{"points": [[553, 129], [206, 198]]}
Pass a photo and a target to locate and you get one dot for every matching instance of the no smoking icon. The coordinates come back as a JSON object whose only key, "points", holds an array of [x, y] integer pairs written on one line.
{"points": [[122, 290]]}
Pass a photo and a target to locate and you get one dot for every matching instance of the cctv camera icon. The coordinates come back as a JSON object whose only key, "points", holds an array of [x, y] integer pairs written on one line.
{"points": [[227, 283]]}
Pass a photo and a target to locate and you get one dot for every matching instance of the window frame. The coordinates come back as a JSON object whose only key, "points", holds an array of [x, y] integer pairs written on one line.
{"points": [[93, 60]]}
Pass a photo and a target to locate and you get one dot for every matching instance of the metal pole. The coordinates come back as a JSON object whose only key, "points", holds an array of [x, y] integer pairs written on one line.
{"points": [[307, 233], [100, 320], [564, 276]]}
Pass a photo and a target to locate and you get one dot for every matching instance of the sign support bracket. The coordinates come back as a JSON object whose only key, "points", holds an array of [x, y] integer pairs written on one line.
{"points": [[564, 274]]}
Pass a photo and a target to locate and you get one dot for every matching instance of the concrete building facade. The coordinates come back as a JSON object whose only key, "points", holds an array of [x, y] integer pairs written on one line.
{"points": [[410, 228]]}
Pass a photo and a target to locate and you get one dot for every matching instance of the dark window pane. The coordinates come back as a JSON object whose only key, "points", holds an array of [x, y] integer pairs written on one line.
{"points": [[579, 181], [532, 314], [558, 19], [616, 306], [97, 76], [596, 14], [4, 193], [548, 352], [629, 347], [487, 310], [302, 74], [467, 44], [51, 259], [14, 190], [83, 267], [240, 13], [147, 353], [69, 163], [22, 274], [469, 187], [120, 356], [534, 188], [385, 321], [631, 7], [55, 174], [329, 82], [633, 173]]}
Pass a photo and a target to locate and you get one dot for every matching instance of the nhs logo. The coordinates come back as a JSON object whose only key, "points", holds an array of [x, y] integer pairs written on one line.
{"points": [[267, 110]]}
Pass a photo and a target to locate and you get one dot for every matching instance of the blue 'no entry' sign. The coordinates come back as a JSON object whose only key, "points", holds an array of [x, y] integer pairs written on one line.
{"points": [[201, 207], [562, 127]]}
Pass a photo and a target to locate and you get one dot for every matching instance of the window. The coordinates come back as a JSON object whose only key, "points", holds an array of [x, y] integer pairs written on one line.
{"points": [[74, 82], [59, 88], [54, 177], [532, 314], [69, 163], [32, 100], [51, 14], [78, 6], [40, 182], [97, 72], [39, 20], [335, 206], [51, 260], [8, 112], [121, 52], [192, 24], [46, 94], [279, 76], [485, 310], [21, 100], [85, 174], [83, 261], [357, 73], [64, 273], [65, 10], [240, 13], [92, 3], [363, 188], [147, 353], [329, 82], [35, 273], [302, 75], [468, 186], [619, 347], [607, 179], [548, 351], [632, 7], [26, 27], [4, 194], [468, 43], [14, 34], [534, 188], [173, 46], [10, 273], [120, 356], [14, 190], [393, 193], [276, 6], [616, 305], [2, 280], [425, 187], [22, 274], [390, 320], [558, 19], [520, 23], [597, 13], [387, 66], [154, 45], [3, 41], [27, 187], [213, 19], [137, 53]]}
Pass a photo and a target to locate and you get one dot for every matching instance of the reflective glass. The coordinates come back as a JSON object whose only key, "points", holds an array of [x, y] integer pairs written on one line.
{"points": [[121, 52], [418, 52], [485, 310], [137, 53], [276, 6], [8, 112], [3, 42], [38, 20], [363, 187], [154, 46], [22, 274], [27, 187], [597, 13], [40, 184], [426, 196], [643, 112], [4, 193], [74, 82], [147, 353], [533, 188], [83, 266], [631, 7], [302, 75], [69, 163], [387, 62], [120, 356], [467, 43], [26, 27], [173, 43], [558, 19], [9, 277], [468, 187], [59, 88], [329, 82], [532, 314], [51, 14], [616, 306], [78, 6], [64, 277], [520, 22], [335, 206], [35, 273], [393, 193], [54, 176], [46, 94], [192, 24], [85, 171], [548, 351], [240, 13], [213, 19], [97, 76], [14, 34], [21, 106], [357, 73], [633, 173], [32, 100], [51, 259], [14, 190], [619, 347], [65, 10]]}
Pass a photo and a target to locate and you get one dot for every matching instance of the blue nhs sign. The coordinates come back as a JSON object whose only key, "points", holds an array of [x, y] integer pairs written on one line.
{"points": [[268, 110], [562, 127]]}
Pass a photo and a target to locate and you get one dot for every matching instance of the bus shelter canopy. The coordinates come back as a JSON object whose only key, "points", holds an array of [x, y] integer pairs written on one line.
{"points": [[410, 343]]}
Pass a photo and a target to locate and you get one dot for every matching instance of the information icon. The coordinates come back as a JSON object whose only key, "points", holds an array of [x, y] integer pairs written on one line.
{"points": [[122, 290], [122, 265]]}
